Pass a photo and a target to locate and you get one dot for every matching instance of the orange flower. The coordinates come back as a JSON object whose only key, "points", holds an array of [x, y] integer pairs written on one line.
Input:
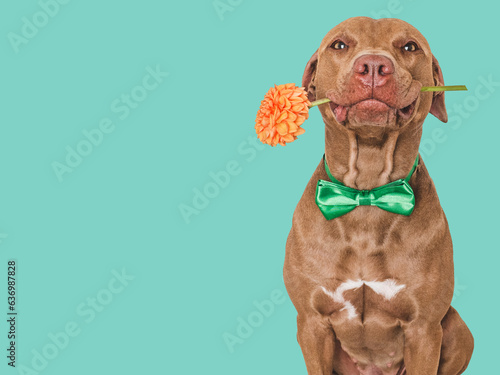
{"points": [[283, 110]]}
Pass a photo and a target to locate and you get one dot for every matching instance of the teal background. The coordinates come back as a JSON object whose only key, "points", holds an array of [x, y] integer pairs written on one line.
{"points": [[119, 209]]}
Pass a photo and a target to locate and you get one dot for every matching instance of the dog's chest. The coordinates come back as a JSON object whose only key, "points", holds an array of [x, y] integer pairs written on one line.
{"points": [[362, 275], [366, 316], [352, 294], [368, 250]]}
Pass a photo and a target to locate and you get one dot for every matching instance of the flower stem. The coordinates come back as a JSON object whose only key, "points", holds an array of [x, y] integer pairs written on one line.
{"points": [[423, 89], [443, 88], [318, 102]]}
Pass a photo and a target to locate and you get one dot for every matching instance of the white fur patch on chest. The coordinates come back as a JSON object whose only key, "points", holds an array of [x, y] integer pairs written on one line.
{"points": [[387, 289]]}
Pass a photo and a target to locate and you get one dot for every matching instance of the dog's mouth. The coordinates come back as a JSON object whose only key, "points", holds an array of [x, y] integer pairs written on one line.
{"points": [[371, 112]]}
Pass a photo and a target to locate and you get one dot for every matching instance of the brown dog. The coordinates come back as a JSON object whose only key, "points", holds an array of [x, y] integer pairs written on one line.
{"points": [[373, 288]]}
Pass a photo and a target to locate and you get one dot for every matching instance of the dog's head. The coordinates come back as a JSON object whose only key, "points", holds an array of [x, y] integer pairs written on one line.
{"points": [[372, 71]]}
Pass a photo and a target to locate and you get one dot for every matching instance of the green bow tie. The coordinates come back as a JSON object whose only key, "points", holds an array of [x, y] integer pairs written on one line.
{"points": [[335, 199]]}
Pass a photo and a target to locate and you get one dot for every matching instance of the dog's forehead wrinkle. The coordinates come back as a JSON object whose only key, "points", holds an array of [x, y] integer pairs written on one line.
{"points": [[405, 36], [385, 31]]}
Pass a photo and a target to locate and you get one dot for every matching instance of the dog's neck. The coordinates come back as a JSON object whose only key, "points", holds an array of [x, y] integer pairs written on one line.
{"points": [[366, 163]]}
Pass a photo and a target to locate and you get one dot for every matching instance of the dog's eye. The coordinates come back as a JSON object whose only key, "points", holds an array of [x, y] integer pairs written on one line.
{"points": [[410, 47], [338, 44]]}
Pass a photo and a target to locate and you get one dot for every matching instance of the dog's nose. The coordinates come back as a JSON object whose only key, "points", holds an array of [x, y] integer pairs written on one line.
{"points": [[373, 70]]}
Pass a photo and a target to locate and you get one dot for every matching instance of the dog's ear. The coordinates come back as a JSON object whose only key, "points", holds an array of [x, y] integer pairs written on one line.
{"points": [[309, 75], [438, 108]]}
